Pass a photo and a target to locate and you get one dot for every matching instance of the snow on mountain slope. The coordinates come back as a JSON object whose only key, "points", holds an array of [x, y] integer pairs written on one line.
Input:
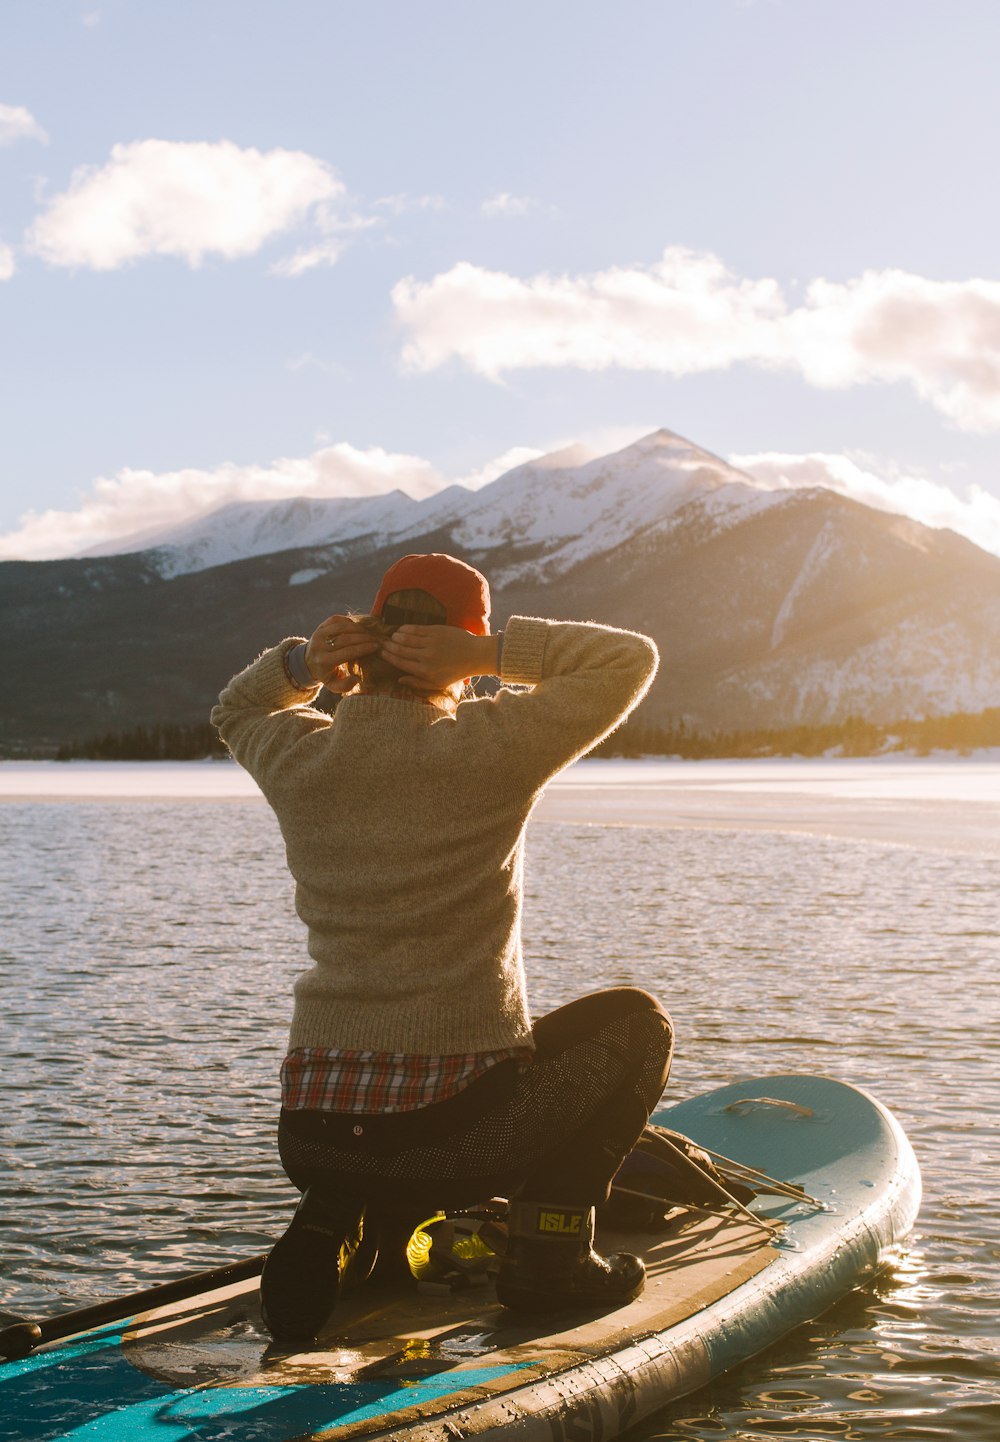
{"points": [[559, 509], [587, 509], [257, 528], [910, 668]]}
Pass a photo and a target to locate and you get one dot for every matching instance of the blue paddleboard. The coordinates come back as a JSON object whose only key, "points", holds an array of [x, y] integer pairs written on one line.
{"points": [[443, 1368]]}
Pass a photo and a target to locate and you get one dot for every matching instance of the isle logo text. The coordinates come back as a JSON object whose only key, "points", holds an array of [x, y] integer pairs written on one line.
{"points": [[565, 1224]]}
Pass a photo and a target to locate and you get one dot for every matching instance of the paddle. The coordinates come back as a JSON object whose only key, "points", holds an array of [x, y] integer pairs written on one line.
{"points": [[23, 1337]]}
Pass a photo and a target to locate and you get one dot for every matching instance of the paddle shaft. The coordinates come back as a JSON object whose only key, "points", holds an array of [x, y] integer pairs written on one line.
{"points": [[23, 1337]]}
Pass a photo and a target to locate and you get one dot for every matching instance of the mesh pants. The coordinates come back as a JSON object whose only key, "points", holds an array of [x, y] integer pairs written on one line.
{"points": [[556, 1130]]}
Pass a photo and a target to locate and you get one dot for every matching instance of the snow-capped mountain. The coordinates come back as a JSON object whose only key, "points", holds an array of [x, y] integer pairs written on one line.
{"points": [[256, 528], [770, 607], [569, 503], [571, 511]]}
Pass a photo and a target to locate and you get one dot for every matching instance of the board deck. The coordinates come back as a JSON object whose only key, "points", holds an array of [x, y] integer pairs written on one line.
{"points": [[442, 1368]]}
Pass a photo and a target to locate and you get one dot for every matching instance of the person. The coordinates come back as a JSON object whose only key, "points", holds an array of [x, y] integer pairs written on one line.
{"points": [[414, 1078]]}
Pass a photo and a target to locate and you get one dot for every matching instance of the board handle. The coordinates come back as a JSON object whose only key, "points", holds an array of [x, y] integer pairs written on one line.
{"points": [[745, 1103]]}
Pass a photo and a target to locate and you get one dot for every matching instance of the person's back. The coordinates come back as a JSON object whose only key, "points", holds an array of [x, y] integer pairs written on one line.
{"points": [[403, 823]]}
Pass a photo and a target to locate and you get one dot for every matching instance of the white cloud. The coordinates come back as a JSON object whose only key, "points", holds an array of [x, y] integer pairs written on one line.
{"points": [[325, 252], [515, 456], [180, 198], [16, 123], [6, 262], [687, 313], [941, 336], [336, 231], [976, 516], [506, 205], [134, 501]]}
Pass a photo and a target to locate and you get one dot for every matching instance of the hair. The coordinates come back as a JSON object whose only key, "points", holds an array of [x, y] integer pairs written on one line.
{"points": [[401, 608]]}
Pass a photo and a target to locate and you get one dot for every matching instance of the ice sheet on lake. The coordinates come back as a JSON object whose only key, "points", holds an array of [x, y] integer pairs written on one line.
{"points": [[941, 803]]}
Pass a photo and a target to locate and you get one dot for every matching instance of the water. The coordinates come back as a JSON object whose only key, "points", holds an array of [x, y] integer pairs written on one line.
{"points": [[148, 950]]}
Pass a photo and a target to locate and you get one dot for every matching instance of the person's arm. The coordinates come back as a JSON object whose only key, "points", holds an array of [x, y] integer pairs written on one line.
{"points": [[266, 706], [585, 680]]}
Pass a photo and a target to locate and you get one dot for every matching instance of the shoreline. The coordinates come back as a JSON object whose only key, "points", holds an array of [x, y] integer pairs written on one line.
{"points": [[945, 804]]}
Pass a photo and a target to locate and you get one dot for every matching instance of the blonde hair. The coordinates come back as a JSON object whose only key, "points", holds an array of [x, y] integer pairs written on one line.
{"points": [[402, 608]]}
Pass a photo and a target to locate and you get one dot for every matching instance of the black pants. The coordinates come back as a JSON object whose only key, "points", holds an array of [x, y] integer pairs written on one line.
{"points": [[556, 1130]]}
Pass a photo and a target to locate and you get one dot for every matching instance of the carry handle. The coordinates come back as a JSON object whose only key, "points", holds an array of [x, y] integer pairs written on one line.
{"points": [[745, 1103]]}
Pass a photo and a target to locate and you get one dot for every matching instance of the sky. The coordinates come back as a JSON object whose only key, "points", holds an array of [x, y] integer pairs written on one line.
{"points": [[254, 250]]}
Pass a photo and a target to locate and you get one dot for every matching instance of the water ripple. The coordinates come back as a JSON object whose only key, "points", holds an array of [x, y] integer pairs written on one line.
{"points": [[147, 957]]}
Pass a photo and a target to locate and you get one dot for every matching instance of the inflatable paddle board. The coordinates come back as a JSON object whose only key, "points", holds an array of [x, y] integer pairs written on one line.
{"points": [[421, 1368]]}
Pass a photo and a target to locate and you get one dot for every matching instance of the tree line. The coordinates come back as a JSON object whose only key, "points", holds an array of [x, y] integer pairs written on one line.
{"points": [[963, 732], [162, 742]]}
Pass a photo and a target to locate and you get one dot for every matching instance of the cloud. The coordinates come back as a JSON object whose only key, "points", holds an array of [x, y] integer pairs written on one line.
{"points": [[515, 456], [687, 313], [180, 198], [325, 252], [6, 262], [943, 337], [336, 231], [976, 516], [506, 205], [683, 314], [16, 123], [136, 501]]}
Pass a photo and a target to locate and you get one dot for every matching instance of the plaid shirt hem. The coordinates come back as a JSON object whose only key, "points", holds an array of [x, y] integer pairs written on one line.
{"points": [[319, 1079]]}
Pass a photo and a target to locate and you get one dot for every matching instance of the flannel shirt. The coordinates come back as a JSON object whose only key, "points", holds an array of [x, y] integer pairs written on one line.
{"points": [[323, 1079]]}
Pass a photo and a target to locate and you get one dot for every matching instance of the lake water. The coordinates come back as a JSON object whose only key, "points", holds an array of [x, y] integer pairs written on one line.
{"points": [[148, 949]]}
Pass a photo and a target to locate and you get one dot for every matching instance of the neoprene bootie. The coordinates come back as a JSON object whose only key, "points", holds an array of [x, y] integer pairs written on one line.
{"points": [[319, 1256], [550, 1264]]}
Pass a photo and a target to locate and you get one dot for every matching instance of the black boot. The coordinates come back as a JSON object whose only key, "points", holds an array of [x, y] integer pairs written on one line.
{"points": [[550, 1263], [320, 1255]]}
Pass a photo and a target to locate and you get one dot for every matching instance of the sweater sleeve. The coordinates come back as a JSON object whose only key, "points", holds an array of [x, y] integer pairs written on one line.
{"points": [[262, 711], [584, 680]]}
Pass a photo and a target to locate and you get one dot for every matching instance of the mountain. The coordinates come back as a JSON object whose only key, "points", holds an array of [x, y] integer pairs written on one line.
{"points": [[569, 502], [255, 528], [770, 607]]}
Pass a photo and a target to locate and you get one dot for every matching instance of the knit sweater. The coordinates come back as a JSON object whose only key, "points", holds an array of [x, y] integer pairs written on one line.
{"points": [[404, 831]]}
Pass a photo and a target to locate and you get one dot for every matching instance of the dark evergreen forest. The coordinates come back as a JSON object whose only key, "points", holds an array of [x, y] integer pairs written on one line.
{"points": [[962, 732]]}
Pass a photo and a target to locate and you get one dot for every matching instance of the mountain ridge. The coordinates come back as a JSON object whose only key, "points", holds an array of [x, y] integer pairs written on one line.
{"points": [[770, 607], [241, 528]]}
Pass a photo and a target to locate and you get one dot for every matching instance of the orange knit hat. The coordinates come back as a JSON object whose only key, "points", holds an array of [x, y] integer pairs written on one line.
{"points": [[461, 590]]}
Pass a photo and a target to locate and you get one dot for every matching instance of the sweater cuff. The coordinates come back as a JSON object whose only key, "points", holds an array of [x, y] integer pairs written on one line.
{"points": [[523, 650], [296, 669], [267, 682]]}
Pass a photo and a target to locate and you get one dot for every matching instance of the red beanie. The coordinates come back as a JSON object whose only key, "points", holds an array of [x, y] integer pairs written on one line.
{"points": [[461, 590]]}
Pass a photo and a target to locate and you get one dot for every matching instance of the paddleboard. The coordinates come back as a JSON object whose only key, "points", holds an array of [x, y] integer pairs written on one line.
{"points": [[424, 1368]]}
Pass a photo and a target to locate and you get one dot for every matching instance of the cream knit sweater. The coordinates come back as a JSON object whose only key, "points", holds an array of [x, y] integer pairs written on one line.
{"points": [[404, 831]]}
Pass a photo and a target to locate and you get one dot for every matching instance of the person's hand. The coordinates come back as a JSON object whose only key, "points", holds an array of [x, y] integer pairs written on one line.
{"points": [[432, 658], [334, 642]]}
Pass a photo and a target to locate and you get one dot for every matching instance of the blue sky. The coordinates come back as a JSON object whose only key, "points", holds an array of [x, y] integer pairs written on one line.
{"points": [[251, 249]]}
